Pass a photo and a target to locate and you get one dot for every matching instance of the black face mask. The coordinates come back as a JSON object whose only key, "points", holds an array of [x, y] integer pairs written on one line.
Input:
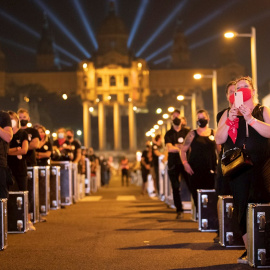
{"points": [[69, 137], [176, 121], [202, 122], [23, 122]]}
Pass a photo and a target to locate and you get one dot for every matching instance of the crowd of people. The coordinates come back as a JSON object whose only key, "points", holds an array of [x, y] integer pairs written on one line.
{"points": [[195, 156]]}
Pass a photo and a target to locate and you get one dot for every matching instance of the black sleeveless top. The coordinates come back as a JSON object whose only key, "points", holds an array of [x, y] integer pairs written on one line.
{"points": [[203, 153], [257, 146]]}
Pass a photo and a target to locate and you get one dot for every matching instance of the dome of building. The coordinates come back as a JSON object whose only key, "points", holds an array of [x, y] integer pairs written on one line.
{"points": [[112, 35]]}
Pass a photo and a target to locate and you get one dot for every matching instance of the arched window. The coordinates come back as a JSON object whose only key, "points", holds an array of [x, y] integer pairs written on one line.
{"points": [[99, 81], [112, 81], [125, 81]]}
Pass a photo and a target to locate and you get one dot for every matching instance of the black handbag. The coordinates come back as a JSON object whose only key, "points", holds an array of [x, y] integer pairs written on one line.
{"points": [[234, 161]]}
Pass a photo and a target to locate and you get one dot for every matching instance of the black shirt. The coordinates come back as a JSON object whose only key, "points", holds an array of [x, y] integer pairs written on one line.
{"points": [[47, 146], [75, 145], [174, 137], [4, 122], [17, 164], [31, 154], [154, 156]]}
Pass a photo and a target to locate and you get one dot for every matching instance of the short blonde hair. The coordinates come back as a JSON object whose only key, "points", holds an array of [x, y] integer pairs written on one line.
{"points": [[22, 110]]}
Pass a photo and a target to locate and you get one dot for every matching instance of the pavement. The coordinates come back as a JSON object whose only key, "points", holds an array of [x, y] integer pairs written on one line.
{"points": [[117, 228]]}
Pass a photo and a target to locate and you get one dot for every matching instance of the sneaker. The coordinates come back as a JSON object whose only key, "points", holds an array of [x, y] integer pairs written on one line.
{"points": [[31, 226], [243, 258], [180, 215]]}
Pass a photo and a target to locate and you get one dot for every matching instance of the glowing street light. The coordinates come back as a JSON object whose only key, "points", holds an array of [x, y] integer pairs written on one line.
{"points": [[79, 132], [158, 111], [165, 116], [91, 109], [170, 109], [214, 91], [252, 37], [193, 107], [64, 96]]}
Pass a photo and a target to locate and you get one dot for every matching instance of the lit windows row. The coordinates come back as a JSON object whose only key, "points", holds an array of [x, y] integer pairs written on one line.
{"points": [[112, 81], [113, 97]]}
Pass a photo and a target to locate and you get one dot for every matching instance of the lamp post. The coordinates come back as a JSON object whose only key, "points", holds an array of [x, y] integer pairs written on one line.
{"points": [[193, 107], [252, 37], [214, 91]]}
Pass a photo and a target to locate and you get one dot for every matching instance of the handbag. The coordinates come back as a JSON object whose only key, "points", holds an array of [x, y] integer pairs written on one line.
{"points": [[236, 160]]}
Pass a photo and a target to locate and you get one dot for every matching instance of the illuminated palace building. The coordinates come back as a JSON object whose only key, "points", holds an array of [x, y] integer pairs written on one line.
{"points": [[114, 85]]}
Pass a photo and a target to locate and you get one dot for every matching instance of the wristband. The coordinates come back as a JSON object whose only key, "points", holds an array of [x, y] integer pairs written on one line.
{"points": [[252, 121], [184, 162]]}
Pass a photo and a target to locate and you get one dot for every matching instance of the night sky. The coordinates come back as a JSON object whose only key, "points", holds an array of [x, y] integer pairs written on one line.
{"points": [[204, 22]]}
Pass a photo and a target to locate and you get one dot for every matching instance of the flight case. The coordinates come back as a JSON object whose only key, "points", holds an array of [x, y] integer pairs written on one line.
{"points": [[65, 181], [33, 196], [18, 212], [229, 235], [44, 189], [55, 189], [207, 210], [258, 230], [3, 224]]}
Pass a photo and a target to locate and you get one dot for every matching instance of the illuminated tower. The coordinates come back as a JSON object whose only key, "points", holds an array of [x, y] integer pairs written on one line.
{"points": [[45, 58], [180, 53]]}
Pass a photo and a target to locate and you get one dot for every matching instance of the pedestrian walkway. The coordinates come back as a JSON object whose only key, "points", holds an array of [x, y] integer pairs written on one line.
{"points": [[117, 228]]}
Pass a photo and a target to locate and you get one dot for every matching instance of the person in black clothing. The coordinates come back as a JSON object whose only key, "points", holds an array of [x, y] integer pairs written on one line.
{"points": [[62, 146], [75, 146], [145, 165], [33, 137], [43, 153], [253, 184], [18, 148], [155, 160], [174, 139], [5, 137], [202, 160], [222, 185]]}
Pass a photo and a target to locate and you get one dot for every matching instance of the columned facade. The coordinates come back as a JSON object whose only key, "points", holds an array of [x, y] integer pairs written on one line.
{"points": [[117, 127]]}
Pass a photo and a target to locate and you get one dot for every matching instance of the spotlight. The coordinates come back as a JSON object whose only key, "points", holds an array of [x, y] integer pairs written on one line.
{"points": [[165, 116], [79, 132], [174, 13], [160, 50], [47, 132], [158, 111], [166, 58], [91, 109], [160, 122], [156, 126], [170, 109], [138, 18], [64, 96], [86, 23], [63, 28]]}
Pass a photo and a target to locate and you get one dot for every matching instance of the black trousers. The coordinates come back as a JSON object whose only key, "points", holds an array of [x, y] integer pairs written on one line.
{"points": [[3, 183], [124, 175], [174, 173]]}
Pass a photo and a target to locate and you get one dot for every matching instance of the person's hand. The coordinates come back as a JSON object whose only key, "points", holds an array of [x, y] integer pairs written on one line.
{"points": [[188, 169], [246, 112], [233, 112]]}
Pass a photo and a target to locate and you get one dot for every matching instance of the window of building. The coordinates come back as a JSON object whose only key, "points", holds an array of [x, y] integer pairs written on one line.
{"points": [[114, 97], [125, 81], [100, 97], [112, 81], [99, 81], [126, 98]]}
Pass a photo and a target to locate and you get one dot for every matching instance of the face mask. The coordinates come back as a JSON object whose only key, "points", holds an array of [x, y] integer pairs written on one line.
{"points": [[69, 137], [176, 121], [61, 135], [24, 122], [202, 122], [246, 95], [13, 123]]}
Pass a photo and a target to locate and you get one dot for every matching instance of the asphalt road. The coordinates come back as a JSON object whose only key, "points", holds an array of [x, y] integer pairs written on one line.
{"points": [[117, 228]]}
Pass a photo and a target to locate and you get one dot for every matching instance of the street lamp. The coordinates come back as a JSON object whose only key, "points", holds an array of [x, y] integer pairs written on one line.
{"points": [[252, 37], [193, 107], [214, 91]]}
